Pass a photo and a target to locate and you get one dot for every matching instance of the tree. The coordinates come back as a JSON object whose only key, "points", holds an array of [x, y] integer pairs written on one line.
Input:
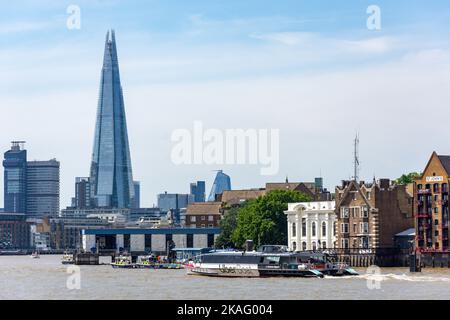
{"points": [[227, 225], [407, 178], [263, 220]]}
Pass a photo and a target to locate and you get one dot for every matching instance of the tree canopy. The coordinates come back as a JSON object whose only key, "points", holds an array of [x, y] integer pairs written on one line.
{"points": [[407, 178], [261, 220]]}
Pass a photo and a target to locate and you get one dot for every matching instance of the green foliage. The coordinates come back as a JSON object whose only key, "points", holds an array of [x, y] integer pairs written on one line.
{"points": [[407, 178], [227, 225], [263, 220]]}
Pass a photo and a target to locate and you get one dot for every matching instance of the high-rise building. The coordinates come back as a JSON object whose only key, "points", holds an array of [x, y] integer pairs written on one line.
{"points": [[197, 190], [42, 186], [15, 177], [111, 174], [221, 183], [136, 204], [82, 198]]}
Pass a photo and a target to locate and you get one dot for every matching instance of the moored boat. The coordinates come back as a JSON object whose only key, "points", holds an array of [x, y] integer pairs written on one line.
{"points": [[269, 261], [67, 258], [123, 262]]}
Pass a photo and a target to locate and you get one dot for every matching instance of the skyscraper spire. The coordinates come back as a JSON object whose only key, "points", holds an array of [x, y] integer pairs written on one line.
{"points": [[111, 174]]}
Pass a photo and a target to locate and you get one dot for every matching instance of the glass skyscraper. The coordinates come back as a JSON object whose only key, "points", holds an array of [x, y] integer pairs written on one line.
{"points": [[111, 175], [197, 190], [15, 178], [222, 183]]}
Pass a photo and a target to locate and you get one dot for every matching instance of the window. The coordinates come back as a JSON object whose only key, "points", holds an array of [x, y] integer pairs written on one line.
{"points": [[369, 195], [193, 219], [314, 246], [324, 245], [203, 218], [303, 227], [210, 240], [364, 227], [294, 230], [344, 227], [365, 212], [210, 225], [304, 246], [210, 218], [436, 187], [354, 228], [313, 229], [344, 243], [436, 198], [355, 195], [419, 187], [324, 229], [203, 226], [436, 210], [294, 246], [344, 212], [334, 228]]}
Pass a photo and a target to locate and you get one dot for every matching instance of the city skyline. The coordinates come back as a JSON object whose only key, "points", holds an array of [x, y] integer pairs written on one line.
{"points": [[190, 60]]}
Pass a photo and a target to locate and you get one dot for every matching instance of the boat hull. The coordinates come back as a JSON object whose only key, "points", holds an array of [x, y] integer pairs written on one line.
{"points": [[254, 272]]}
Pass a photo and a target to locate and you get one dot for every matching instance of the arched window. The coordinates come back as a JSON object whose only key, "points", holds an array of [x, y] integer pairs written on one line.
{"points": [[294, 230], [324, 229], [294, 246], [314, 247], [304, 246], [313, 229], [303, 227], [324, 244]]}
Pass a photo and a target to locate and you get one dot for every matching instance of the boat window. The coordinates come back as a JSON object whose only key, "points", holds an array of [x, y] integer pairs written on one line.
{"points": [[271, 260]]}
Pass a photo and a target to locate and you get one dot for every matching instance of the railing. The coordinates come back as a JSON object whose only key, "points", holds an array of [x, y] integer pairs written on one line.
{"points": [[423, 215], [424, 191]]}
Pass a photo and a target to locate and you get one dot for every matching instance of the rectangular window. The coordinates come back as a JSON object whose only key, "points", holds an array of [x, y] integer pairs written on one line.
{"points": [[193, 219], [344, 227], [365, 212], [210, 240], [344, 212], [364, 227], [344, 243], [148, 242], [203, 218], [210, 218]]}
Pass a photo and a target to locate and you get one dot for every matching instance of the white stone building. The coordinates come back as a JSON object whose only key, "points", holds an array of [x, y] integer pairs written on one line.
{"points": [[311, 225]]}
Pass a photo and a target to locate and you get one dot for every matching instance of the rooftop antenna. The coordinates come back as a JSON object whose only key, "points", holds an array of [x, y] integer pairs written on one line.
{"points": [[356, 158]]}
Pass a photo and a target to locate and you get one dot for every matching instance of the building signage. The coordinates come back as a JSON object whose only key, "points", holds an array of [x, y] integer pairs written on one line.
{"points": [[435, 179]]}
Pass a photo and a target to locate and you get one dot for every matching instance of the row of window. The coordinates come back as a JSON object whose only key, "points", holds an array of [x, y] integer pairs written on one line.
{"points": [[202, 218], [355, 212], [313, 229], [322, 244], [363, 227], [357, 243], [436, 187]]}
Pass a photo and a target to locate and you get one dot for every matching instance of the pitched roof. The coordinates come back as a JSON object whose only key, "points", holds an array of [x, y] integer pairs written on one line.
{"points": [[235, 196], [203, 208], [445, 160]]}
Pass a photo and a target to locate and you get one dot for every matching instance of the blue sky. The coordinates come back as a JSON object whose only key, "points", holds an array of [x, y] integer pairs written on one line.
{"points": [[310, 68]]}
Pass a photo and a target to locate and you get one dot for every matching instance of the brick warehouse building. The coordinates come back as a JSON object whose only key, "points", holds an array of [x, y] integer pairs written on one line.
{"points": [[431, 208], [370, 215]]}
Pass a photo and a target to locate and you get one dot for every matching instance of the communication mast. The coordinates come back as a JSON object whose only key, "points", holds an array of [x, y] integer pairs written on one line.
{"points": [[356, 158]]}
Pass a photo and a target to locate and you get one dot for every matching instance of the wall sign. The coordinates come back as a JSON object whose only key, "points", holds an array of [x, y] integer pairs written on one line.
{"points": [[435, 179]]}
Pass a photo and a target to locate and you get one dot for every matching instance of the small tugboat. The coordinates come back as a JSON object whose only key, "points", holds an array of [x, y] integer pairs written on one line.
{"points": [[269, 261], [123, 262], [67, 258]]}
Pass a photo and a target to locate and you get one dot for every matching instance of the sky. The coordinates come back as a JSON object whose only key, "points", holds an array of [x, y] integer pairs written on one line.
{"points": [[311, 69]]}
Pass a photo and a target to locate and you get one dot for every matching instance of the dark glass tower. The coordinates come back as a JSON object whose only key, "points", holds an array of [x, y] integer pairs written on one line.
{"points": [[15, 178], [111, 175]]}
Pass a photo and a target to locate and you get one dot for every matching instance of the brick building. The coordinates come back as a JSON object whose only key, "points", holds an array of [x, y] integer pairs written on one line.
{"points": [[203, 214], [370, 215], [14, 231], [431, 208]]}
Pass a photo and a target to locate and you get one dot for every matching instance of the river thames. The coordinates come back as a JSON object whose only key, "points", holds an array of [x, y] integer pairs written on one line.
{"points": [[46, 278]]}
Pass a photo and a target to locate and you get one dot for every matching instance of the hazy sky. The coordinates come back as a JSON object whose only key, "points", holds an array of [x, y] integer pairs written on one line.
{"points": [[309, 68]]}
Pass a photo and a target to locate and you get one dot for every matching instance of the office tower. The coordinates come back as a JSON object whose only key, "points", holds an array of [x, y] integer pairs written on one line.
{"points": [[136, 203], [15, 176], [82, 193], [198, 191], [174, 202], [111, 174], [221, 183], [42, 186]]}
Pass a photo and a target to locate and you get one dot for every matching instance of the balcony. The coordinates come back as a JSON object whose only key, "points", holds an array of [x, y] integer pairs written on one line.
{"points": [[424, 191], [423, 215]]}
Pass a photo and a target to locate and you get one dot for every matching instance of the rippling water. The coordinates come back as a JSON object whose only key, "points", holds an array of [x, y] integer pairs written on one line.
{"points": [[24, 278]]}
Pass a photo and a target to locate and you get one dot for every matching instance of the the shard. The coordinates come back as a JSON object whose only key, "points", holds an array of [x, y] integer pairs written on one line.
{"points": [[111, 175], [222, 183]]}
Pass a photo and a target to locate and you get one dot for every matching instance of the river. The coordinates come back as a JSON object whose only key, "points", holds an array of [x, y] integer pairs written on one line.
{"points": [[46, 278]]}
